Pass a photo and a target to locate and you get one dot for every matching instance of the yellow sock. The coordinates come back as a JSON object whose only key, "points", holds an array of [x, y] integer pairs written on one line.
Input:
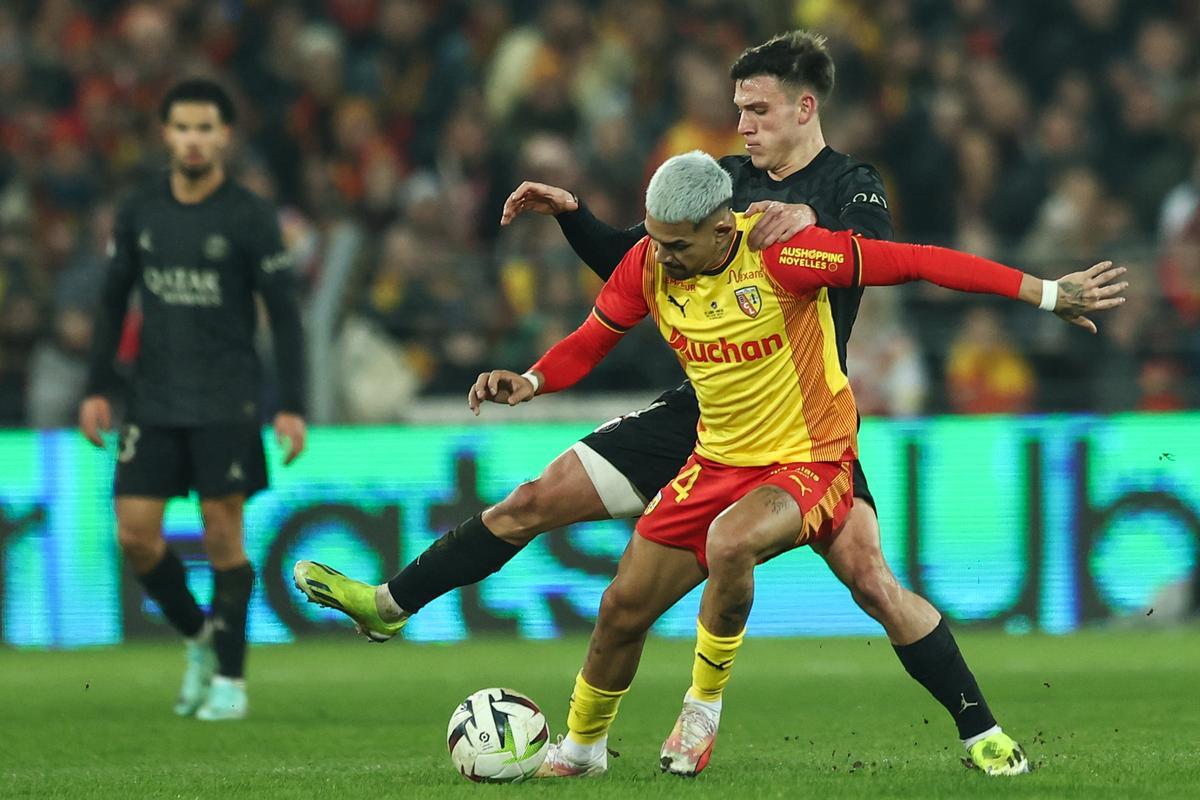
{"points": [[714, 659], [592, 711]]}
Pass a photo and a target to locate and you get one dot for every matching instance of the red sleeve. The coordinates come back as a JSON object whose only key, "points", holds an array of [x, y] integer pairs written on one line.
{"points": [[621, 303], [816, 257], [620, 306]]}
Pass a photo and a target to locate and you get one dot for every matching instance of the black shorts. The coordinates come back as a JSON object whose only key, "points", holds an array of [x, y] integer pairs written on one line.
{"points": [[216, 460], [650, 446]]}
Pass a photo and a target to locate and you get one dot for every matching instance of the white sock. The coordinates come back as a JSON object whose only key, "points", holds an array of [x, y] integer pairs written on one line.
{"points": [[979, 737], [713, 706], [578, 753], [225, 679], [389, 610]]}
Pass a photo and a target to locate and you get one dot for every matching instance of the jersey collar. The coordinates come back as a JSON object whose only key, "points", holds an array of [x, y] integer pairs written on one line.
{"points": [[729, 257], [808, 169]]}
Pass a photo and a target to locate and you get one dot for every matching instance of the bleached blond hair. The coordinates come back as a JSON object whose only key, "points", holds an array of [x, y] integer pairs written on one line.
{"points": [[688, 188]]}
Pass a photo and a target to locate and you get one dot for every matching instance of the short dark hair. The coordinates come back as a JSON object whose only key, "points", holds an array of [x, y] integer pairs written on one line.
{"points": [[796, 58], [199, 90]]}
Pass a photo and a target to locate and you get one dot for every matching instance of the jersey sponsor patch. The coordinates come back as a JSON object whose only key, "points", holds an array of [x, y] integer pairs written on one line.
{"points": [[811, 258], [276, 262], [870, 197], [723, 351], [179, 286]]}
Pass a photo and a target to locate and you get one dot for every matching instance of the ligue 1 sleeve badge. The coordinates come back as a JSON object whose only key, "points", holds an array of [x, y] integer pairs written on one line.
{"points": [[749, 300]]}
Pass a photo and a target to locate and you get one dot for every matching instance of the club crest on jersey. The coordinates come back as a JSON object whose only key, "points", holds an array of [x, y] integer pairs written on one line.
{"points": [[216, 247], [749, 300]]}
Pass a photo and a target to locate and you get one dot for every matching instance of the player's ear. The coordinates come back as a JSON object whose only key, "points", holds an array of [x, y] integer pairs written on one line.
{"points": [[723, 226], [806, 106]]}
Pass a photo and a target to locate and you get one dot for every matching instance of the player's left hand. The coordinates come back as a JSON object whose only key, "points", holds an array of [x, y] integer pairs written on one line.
{"points": [[780, 222], [1089, 290], [290, 432], [499, 386]]}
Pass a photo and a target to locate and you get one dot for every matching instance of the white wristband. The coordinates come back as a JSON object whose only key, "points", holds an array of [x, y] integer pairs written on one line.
{"points": [[532, 377], [1049, 296]]}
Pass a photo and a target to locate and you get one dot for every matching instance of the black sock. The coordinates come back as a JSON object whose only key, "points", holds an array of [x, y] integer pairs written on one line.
{"points": [[231, 598], [465, 555], [166, 584], [937, 664]]}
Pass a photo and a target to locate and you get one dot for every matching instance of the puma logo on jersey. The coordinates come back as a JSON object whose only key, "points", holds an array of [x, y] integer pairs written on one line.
{"points": [[681, 306]]}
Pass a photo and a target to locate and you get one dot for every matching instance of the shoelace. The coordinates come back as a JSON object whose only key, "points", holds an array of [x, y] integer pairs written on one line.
{"points": [[555, 755], [695, 725]]}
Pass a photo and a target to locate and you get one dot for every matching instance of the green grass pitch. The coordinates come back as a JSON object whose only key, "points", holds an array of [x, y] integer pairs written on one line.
{"points": [[1102, 714]]}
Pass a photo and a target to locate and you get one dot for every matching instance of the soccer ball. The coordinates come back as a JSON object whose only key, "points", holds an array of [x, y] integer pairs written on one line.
{"points": [[497, 735]]}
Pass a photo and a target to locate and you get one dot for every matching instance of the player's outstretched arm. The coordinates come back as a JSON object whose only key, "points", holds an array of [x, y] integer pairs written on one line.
{"points": [[817, 257], [619, 307], [540, 198], [1071, 297], [502, 386], [600, 245]]}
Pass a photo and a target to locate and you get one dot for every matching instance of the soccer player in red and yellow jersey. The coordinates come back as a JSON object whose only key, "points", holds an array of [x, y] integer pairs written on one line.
{"points": [[777, 431]]}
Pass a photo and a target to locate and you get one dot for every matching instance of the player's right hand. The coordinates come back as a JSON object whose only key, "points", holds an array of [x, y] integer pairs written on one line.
{"points": [[95, 416], [540, 198], [499, 386]]}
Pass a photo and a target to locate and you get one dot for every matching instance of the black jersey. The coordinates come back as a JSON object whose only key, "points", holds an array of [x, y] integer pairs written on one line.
{"points": [[847, 194], [197, 268]]}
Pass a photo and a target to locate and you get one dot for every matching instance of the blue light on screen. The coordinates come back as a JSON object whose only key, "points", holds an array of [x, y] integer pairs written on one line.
{"points": [[1022, 522]]}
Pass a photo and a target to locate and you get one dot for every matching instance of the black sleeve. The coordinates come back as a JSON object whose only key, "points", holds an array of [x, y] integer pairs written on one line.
{"points": [[600, 245], [274, 280], [122, 272], [863, 205]]}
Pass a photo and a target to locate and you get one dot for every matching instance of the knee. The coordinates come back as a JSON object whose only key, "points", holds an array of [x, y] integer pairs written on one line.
{"points": [[729, 547], [139, 544], [874, 588], [622, 616], [525, 511]]}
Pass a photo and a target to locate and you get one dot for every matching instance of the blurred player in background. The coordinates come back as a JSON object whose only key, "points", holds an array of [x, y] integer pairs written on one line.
{"points": [[794, 179], [772, 468], [198, 248]]}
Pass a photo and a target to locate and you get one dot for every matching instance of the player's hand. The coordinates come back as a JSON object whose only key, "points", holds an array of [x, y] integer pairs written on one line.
{"points": [[95, 416], [1090, 290], [290, 433], [499, 386], [780, 222], [539, 198]]}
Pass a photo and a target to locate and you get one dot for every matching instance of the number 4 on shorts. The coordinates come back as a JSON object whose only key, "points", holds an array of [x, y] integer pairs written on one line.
{"points": [[684, 482]]}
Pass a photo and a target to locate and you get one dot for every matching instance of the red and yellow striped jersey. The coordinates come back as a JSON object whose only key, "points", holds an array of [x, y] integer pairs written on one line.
{"points": [[755, 335], [762, 358]]}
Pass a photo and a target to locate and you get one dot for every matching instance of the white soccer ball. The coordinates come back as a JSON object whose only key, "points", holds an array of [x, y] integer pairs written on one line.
{"points": [[497, 735]]}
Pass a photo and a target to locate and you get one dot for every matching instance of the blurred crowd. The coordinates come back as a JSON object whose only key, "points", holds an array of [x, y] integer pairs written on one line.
{"points": [[1049, 135]]}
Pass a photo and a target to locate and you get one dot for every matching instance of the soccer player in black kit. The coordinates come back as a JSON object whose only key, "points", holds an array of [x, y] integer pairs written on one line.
{"points": [[795, 180], [198, 248]]}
